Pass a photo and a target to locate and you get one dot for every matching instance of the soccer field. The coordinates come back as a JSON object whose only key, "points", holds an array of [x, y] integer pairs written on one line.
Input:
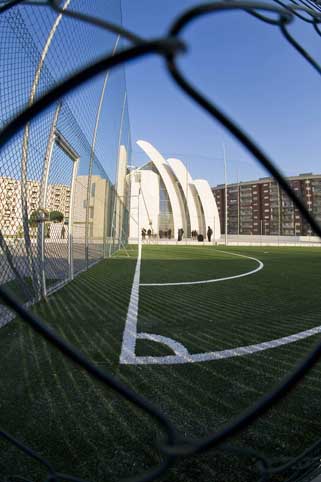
{"points": [[201, 331]]}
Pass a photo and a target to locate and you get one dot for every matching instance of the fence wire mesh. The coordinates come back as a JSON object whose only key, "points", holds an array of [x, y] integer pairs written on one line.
{"points": [[55, 185], [54, 190]]}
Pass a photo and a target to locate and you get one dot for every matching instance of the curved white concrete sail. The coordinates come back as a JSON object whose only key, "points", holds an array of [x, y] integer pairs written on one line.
{"points": [[209, 206], [185, 179], [160, 163]]}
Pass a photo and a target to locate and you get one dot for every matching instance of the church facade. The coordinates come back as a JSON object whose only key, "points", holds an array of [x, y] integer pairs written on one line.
{"points": [[166, 202]]}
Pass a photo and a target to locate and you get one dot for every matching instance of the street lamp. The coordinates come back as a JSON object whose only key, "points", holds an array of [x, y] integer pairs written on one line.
{"points": [[225, 189]]}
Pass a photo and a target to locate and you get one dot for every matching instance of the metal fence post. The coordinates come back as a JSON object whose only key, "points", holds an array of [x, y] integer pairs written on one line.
{"points": [[119, 202], [112, 232], [24, 156], [92, 155], [70, 220], [43, 197]]}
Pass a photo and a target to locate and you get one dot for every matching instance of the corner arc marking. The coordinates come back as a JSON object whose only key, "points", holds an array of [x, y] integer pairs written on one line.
{"points": [[178, 348]]}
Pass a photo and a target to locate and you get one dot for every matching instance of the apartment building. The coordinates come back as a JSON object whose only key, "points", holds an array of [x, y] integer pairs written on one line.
{"points": [[261, 207], [58, 199]]}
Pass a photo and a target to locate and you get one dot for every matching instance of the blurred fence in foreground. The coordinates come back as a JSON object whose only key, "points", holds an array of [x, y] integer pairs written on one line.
{"points": [[174, 443]]}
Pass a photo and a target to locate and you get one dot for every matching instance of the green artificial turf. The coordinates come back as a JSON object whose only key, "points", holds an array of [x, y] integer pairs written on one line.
{"points": [[23, 290], [89, 431]]}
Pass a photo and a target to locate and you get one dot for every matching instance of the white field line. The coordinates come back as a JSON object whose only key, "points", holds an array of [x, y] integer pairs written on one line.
{"points": [[130, 335], [215, 280], [224, 354], [181, 354], [178, 348], [130, 331]]}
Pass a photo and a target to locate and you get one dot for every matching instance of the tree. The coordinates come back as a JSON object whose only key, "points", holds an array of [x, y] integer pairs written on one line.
{"points": [[56, 217], [38, 216]]}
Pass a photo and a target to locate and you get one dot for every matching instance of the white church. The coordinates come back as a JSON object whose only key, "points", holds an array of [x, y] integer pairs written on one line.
{"points": [[165, 201]]}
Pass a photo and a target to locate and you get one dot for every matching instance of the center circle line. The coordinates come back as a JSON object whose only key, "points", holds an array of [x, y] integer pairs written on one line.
{"points": [[215, 280]]}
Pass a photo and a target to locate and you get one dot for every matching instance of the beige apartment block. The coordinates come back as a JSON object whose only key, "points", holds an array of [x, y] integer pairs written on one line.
{"points": [[10, 205], [58, 199], [99, 190], [100, 212]]}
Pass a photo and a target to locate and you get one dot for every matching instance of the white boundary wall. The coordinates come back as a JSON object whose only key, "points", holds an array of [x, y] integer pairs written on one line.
{"points": [[247, 240], [242, 240]]}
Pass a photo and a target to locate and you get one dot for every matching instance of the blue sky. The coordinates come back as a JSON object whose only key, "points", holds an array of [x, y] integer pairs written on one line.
{"points": [[251, 72]]}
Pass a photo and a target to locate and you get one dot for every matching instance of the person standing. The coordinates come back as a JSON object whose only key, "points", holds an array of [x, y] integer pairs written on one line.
{"points": [[149, 233], [209, 234], [180, 234], [143, 234]]}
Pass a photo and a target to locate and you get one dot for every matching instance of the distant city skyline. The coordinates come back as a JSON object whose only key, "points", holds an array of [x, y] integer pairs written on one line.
{"points": [[266, 86]]}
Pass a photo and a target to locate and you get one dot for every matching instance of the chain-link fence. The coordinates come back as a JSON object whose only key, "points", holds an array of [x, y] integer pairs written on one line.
{"points": [[59, 211], [57, 137]]}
